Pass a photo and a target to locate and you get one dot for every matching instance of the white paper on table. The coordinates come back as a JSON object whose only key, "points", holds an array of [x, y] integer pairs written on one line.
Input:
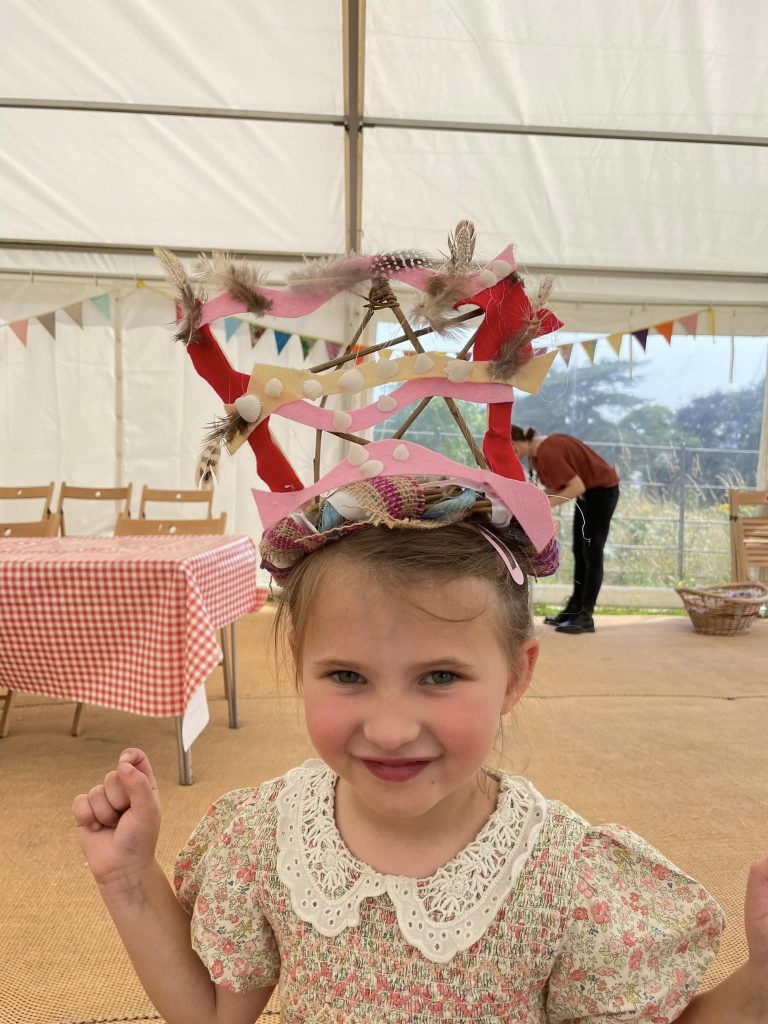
{"points": [[196, 717]]}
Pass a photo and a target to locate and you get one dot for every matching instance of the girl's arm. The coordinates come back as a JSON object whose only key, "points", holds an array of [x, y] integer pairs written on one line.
{"points": [[118, 825], [743, 997]]}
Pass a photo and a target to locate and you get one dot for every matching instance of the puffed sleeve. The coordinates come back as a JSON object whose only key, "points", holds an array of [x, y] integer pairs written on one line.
{"points": [[640, 935], [216, 879]]}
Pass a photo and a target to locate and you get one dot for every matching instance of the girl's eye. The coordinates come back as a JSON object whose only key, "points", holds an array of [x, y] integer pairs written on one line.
{"points": [[441, 678], [346, 677]]}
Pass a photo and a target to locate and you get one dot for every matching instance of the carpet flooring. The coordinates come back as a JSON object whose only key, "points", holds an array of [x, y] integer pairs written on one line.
{"points": [[643, 723]]}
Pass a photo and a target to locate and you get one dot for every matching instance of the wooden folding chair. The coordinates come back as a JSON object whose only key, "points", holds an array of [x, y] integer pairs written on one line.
{"points": [[749, 534], [175, 497], [125, 527], [43, 492], [113, 494], [47, 527]]}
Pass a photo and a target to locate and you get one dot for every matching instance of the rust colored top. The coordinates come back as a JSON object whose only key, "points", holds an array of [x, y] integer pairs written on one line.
{"points": [[560, 457]]}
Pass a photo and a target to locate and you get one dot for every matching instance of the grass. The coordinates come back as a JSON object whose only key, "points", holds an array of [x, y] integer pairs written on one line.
{"points": [[551, 609]]}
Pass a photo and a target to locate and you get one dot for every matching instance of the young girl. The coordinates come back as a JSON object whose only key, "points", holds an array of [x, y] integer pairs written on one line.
{"points": [[398, 878]]}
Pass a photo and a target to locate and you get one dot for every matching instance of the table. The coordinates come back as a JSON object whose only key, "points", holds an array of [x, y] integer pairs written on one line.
{"points": [[125, 622]]}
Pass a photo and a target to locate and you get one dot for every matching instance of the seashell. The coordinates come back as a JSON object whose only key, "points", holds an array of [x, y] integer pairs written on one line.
{"points": [[372, 467], [500, 268], [387, 369], [351, 381], [274, 387], [458, 371], [342, 420], [311, 389], [386, 403], [401, 453], [357, 455], [422, 363], [487, 279], [249, 407]]}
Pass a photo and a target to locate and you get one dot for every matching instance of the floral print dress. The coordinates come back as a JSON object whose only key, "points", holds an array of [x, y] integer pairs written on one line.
{"points": [[541, 918]]}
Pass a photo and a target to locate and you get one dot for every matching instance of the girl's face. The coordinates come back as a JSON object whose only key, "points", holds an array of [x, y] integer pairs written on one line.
{"points": [[403, 705]]}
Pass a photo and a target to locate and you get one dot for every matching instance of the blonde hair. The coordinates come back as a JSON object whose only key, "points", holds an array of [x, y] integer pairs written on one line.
{"points": [[400, 559]]}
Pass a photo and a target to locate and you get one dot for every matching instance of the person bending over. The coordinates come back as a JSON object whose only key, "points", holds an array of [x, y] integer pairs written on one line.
{"points": [[569, 469]]}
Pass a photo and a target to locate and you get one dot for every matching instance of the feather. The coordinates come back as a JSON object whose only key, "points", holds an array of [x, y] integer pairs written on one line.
{"points": [[385, 264], [515, 352], [207, 469], [331, 273], [443, 291], [225, 429], [191, 296], [461, 246], [518, 349], [238, 278]]}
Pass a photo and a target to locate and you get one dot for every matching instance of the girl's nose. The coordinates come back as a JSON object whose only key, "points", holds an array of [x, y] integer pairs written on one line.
{"points": [[390, 731]]}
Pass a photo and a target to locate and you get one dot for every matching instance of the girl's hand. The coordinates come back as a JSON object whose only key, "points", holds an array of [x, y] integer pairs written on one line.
{"points": [[756, 926], [118, 822]]}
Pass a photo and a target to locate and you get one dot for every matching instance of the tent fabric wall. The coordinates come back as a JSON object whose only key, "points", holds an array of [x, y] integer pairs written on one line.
{"points": [[59, 404], [622, 147]]}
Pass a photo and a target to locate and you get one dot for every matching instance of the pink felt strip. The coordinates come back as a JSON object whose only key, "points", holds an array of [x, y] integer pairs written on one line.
{"points": [[289, 303], [406, 394], [527, 503]]}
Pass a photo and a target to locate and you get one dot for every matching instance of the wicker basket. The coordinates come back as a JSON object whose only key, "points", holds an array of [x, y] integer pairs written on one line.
{"points": [[726, 609]]}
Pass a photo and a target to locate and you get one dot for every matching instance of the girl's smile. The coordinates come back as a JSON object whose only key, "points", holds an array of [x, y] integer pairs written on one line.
{"points": [[403, 697]]}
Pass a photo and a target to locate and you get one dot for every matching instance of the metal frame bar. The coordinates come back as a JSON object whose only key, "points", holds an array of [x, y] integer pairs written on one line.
{"points": [[353, 120]]}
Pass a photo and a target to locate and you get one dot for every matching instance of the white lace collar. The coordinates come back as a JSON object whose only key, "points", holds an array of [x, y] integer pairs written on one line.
{"points": [[441, 915]]}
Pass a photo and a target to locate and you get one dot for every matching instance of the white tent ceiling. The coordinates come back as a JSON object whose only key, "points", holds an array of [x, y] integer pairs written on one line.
{"points": [[622, 146]]}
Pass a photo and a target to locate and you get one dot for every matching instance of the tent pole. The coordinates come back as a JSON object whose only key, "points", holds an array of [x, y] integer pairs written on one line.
{"points": [[117, 322], [762, 458]]}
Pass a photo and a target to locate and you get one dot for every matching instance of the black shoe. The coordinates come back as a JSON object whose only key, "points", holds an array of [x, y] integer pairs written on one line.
{"points": [[581, 623], [559, 619]]}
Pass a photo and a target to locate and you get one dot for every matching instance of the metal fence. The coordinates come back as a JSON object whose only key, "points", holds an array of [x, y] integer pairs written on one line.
{"points": [[671, 526]]}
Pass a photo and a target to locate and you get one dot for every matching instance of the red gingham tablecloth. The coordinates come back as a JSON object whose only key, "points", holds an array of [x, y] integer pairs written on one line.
{"points": [[125, 622]]}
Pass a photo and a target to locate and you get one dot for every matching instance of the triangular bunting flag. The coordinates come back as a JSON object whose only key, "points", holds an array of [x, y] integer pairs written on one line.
{"points": [[711, 318], [48, 321], [231, 324], [642, 337], [565, 352], [307, 344], [75, 311], [333, 348], [615, 340], [281, 339], [665, 330], [689, 323], [101, 302], [589, 347], [256, 331], [20, 328], [358, 348]]}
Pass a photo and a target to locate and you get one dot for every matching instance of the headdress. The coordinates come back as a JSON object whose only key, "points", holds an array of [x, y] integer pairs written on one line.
{"points": [[389, 482]]}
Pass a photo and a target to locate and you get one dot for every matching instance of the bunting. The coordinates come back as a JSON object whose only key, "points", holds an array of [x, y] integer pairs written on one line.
{"points": [[307, 344], [48, 321], [231, 325], [256, 331], [665, 330], [281, 339], [590, 347], [642, 337], [75, 312], [102, 303], [615, 340], [688, 323], [20, 329]]}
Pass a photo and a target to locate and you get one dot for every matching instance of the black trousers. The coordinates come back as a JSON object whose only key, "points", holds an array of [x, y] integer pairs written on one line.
{"points": [[591, 522]]}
